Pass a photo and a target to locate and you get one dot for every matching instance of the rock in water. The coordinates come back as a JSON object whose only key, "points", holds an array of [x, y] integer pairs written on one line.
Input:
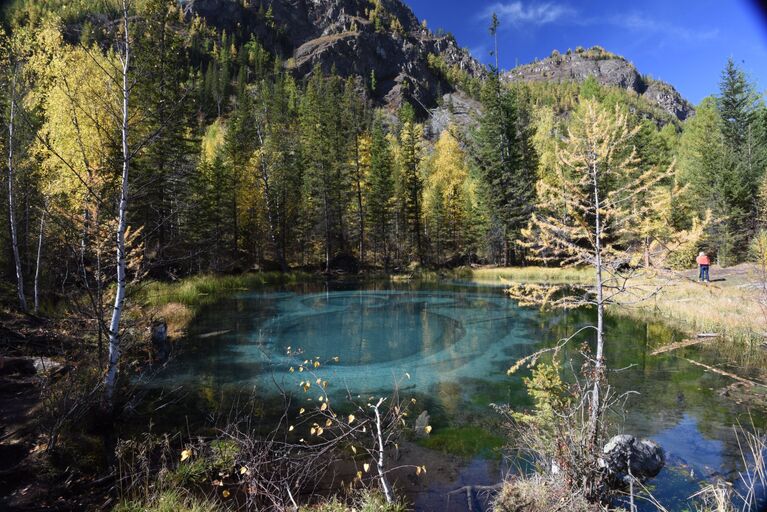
{"points": [[160, 340], [644, 458]]}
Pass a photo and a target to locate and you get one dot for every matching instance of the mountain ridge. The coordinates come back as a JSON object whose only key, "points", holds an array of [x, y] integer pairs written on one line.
{"points": [[608, 69]]}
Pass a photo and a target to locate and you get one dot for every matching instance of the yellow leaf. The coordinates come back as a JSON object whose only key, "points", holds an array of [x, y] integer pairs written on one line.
{"points": [[351, 419], [324, 406], [225, 493], [324, 384], [292, 369], [319, 431], [366, 466], [418, 470], [243, 470], [301, 411], [290, 428], [427, 429], [185, 454], [359, 475], [316, 364], [300, 369], [354, 449], [412, 400], [328, 423]]}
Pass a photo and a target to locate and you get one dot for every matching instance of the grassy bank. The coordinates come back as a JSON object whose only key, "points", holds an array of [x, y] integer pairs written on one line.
{"points": [[552, 275], [729, 306], [179, 301]]}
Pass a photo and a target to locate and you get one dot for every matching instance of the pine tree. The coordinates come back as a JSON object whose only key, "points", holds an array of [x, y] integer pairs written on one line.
{"points": [[381, 192], [505, 154], [410, 173]]}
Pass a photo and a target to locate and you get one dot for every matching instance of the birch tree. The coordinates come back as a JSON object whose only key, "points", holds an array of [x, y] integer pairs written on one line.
{"points": [[11, 202], [122, 222]]}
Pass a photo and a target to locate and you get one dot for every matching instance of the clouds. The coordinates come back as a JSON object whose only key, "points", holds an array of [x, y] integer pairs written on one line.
{"points": [[517, 13], [532, 15], [638, 22]]}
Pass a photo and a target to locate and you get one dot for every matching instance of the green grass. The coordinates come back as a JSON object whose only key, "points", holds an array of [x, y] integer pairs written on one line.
{"points": [[552, 275], [168, 501], [464, 441], [178, 302], [204, 289], [366, 501]]}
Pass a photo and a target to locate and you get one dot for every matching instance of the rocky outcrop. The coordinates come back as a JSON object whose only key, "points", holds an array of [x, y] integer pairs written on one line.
{"points": [[455, 109], [608, 69], [353, 37]]}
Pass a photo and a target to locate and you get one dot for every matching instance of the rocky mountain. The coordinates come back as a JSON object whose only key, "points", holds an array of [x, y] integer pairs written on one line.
{"points": [[379, 40], [608, 69]]}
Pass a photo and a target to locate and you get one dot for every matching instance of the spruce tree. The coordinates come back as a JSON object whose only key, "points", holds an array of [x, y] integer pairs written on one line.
{"points": [[507, 159], [381, 193]]}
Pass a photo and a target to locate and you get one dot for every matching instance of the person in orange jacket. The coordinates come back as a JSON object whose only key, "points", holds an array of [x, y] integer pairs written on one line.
{"points": [[703, 265]]}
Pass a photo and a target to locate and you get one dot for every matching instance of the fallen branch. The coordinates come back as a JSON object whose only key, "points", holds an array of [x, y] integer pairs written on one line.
{"points": [[680, 344], [725, 373]]}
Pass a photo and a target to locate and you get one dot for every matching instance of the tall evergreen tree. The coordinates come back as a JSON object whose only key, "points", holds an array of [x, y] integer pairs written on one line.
{"points": [[505, 154], [381, 192]]}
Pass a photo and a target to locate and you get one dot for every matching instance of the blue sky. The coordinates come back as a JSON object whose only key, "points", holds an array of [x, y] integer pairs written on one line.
{"points": [[684, 42]]}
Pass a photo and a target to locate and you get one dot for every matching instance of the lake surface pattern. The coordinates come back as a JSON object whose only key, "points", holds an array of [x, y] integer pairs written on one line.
{"points": [[450, 345]]}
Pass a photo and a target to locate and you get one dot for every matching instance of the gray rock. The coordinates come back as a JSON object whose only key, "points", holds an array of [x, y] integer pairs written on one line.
{"points": [[337, 34], [626, 456], [609, 70], [457, 109]]}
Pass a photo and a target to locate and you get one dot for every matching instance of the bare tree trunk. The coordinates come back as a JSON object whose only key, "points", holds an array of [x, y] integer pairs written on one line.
{"points": [[327, 229], [360, 211], [37, 264], [11, 205], [114, 326], [599, 360], [381, 447]]}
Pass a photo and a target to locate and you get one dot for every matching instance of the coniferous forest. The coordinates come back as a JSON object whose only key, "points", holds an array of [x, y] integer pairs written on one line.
{"points": [[148, 144]]}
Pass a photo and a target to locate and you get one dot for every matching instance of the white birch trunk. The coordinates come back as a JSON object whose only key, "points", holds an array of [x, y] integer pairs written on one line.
{"points": [[11, 204], [37, 263], [380, 465], [114, 325]]}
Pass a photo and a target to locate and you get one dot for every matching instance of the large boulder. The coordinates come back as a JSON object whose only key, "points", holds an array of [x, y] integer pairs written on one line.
{"points": [[625, 456]]}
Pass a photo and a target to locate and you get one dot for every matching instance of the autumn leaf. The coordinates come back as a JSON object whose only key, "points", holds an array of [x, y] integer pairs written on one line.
{"points": [[351, 419], [185, 454], [324, 406], [225, 493], [366, 467], [244, 470], [427, 429]]}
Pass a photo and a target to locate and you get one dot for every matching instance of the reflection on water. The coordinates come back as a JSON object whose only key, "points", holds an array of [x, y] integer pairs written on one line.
{"points": [[450, 345]]}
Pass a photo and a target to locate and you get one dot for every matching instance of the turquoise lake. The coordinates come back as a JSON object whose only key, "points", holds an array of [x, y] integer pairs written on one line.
{"points": [[449, 345]]}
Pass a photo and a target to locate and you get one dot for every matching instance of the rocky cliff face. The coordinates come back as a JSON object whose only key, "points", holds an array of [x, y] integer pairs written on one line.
{"points": [[608, 69], [381, 38]]}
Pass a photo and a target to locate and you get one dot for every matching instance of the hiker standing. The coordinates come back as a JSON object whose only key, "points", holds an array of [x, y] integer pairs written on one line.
{"points": [[703, 265]]}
